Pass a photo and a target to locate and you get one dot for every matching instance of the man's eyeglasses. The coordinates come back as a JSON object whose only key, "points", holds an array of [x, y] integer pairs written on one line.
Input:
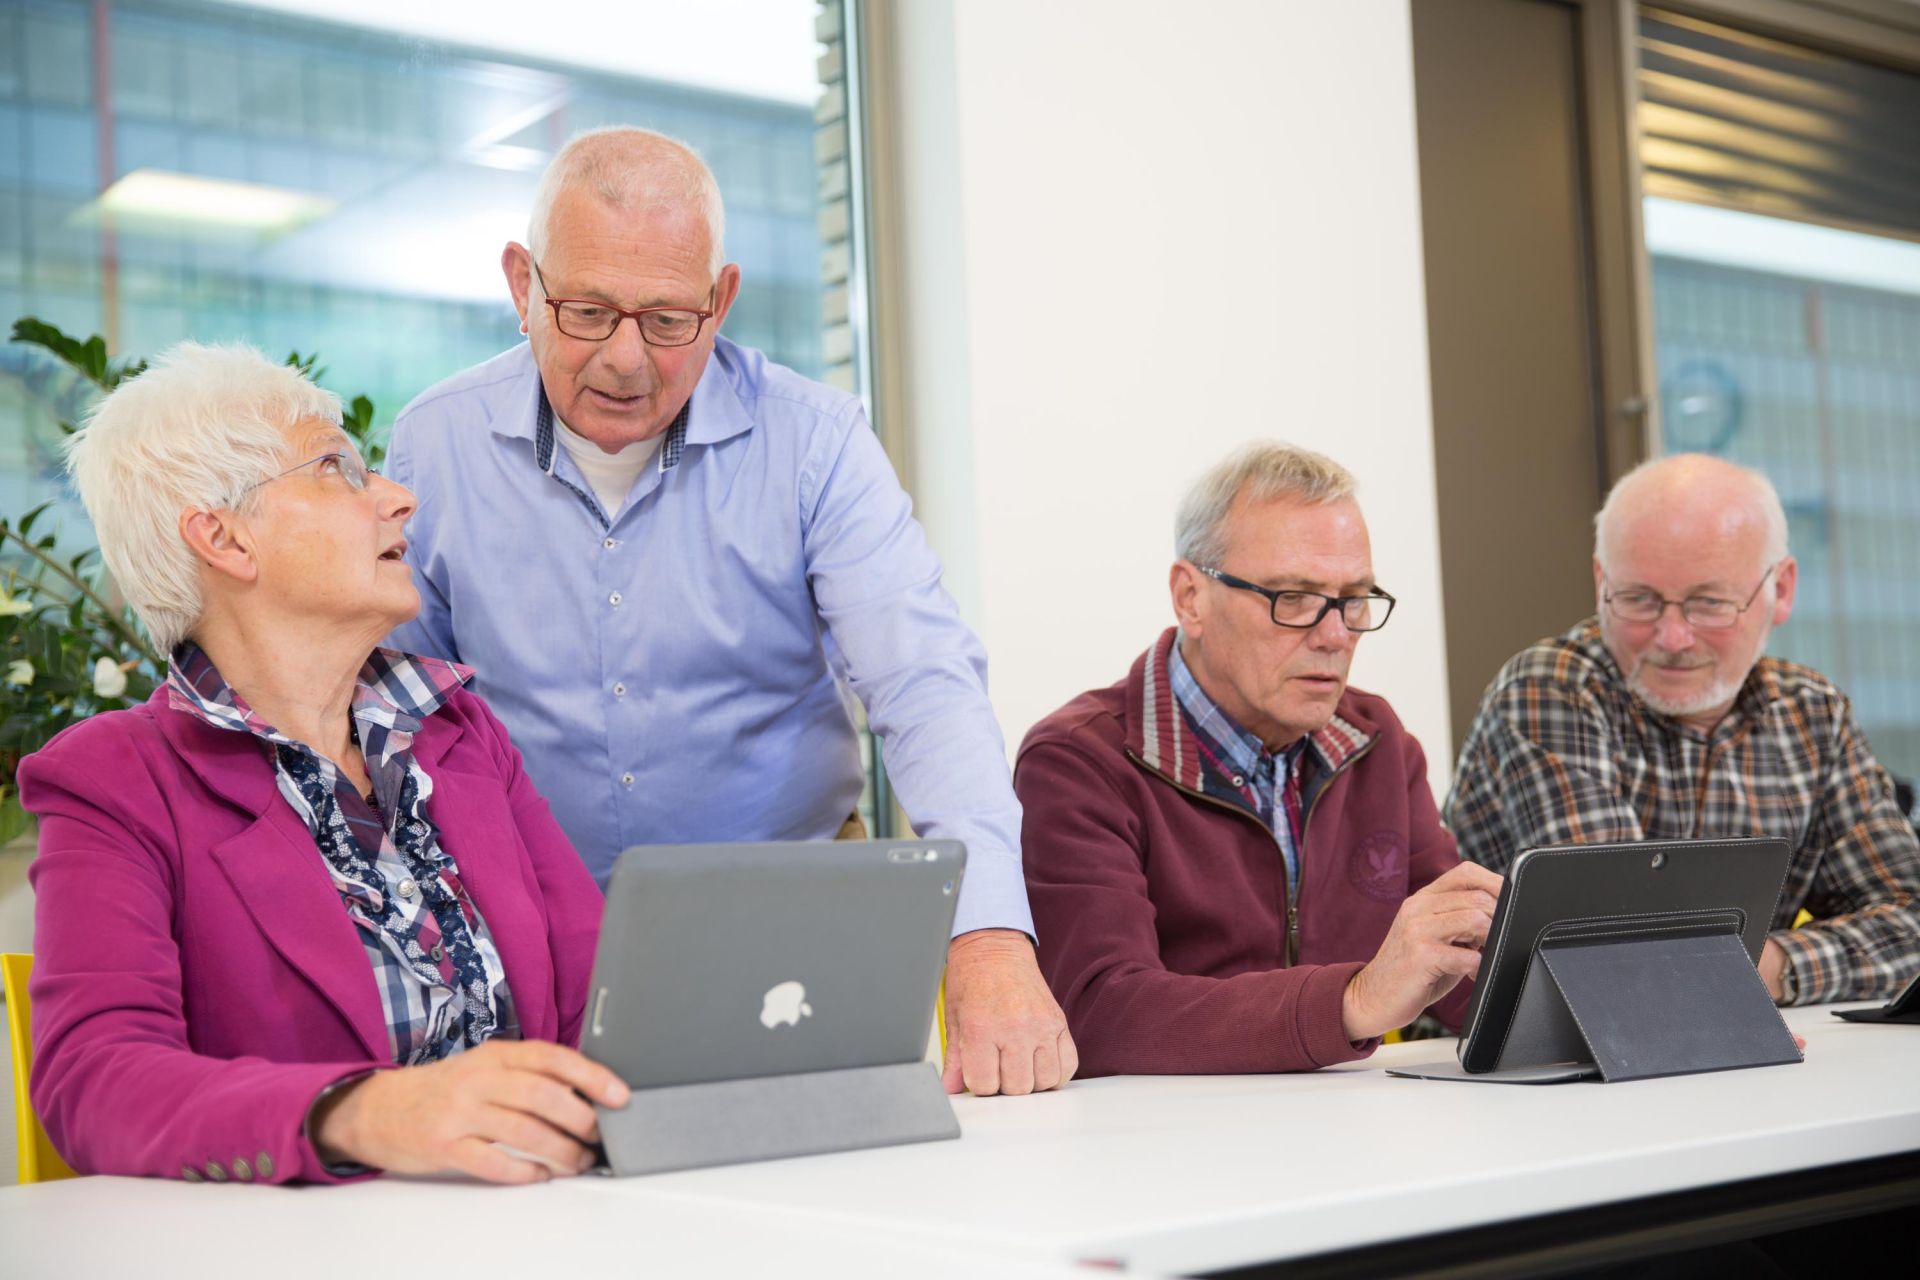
{"points": [[1706, 613], [1303, 610], [595, 321], [342, 462]]}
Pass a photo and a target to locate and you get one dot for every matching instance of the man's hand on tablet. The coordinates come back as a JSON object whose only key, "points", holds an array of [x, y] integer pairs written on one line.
{"points": [[1434, 942]]}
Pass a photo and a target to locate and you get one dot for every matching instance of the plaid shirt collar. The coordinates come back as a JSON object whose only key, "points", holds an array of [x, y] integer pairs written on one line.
{"points": [[1159, 737], [394, 693]]}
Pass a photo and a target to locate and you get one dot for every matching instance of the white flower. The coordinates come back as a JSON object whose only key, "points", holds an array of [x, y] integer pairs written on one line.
{"points": [[109, 681], [12, 608], [20, 672]]}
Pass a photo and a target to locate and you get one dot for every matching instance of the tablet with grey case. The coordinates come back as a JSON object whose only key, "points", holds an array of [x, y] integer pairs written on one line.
{"points": [[771, 999]]}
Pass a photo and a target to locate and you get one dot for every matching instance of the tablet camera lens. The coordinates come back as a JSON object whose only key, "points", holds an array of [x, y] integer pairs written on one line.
{"points": [[947, 888], [1659, 861]]}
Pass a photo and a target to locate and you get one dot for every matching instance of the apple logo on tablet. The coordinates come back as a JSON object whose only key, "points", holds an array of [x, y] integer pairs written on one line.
{"points": [[785, 1003]]}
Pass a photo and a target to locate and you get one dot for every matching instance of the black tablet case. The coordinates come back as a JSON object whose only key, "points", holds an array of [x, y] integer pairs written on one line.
{"points": [[1627, 961]]}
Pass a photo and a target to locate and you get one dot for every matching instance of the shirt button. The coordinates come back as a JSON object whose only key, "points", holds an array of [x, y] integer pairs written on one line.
{"points": [[190, 1174], [626, 779], [406, 889], [1239, 781], [242, 1170], [439, 952], [216, 1172], [453, 1033], [611, 543], [619, 691], [614, 599], [263, 1165]]}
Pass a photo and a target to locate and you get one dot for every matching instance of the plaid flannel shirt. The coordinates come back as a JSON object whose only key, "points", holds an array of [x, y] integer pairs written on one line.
{"points": [[1561, 752]]}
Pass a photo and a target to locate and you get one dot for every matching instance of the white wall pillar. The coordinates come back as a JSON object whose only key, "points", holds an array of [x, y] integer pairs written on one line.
{"points": [[1135, 237]]}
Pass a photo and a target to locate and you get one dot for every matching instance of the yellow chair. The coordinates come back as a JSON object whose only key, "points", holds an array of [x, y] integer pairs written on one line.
{"points": [[39, 1162]]}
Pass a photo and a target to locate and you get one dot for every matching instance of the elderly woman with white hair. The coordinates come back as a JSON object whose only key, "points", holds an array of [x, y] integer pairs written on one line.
{"points": [[306, 858]]}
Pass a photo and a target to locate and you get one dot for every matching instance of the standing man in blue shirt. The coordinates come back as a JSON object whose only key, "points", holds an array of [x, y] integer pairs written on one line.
{"points": [[658, 549]]}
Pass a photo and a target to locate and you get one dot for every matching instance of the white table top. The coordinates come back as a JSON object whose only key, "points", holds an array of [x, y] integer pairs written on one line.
{"points": [[1171, 1174]]}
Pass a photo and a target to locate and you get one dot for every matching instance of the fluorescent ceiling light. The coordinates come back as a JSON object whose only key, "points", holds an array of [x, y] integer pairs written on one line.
{"points": [[757, 48], [157, 196]]}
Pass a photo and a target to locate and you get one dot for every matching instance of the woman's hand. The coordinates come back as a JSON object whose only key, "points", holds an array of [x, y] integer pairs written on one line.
{"points": [[448, 1115]]}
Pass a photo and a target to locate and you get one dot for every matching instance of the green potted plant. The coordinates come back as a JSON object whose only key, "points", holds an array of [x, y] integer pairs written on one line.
{"points": [[69, 647]]}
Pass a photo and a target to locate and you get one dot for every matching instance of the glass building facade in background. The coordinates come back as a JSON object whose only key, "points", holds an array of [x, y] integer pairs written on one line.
{"points": [[171, 169], [1816, 384]]}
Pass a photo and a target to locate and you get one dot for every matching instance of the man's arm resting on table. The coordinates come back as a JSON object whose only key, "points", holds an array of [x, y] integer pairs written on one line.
{"points": [[1864, 940]]}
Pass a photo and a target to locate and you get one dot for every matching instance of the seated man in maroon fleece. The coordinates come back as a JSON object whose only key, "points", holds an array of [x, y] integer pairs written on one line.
{"points": [[1234, 860]]}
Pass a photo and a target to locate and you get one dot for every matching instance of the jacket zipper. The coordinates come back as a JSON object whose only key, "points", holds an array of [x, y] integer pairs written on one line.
{"points": [[1293, 910]]}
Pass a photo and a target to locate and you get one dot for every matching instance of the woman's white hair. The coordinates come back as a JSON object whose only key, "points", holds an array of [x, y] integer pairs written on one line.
{"points": [[1266, 469], [631, 169], [192, 433]]}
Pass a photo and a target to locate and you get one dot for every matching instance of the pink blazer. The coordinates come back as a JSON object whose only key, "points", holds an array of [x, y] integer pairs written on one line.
{"points": [[196, 981]]}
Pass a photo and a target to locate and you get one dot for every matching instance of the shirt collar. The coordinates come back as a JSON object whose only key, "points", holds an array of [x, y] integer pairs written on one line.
{"points": [[395, 690], [546, 438], [1240, 748]]}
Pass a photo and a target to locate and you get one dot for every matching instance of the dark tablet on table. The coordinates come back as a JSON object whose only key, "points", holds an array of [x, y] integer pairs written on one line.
{"points": [[1690, 908]]}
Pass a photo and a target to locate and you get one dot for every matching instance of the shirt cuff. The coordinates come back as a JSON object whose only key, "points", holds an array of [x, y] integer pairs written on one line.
{"points": [[993, 895], [1803, 960]]}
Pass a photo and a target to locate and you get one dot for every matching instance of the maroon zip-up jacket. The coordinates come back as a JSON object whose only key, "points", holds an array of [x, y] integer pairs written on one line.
{"points": [[1162, 911]]}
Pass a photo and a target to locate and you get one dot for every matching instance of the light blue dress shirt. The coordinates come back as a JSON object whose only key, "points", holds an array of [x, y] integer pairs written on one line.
{"points": [[669, 676]]}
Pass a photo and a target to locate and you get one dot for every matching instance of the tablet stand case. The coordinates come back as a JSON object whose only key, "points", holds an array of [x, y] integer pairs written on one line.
{"points": [[1911, 1016], [1635, 1005], [690, 1126]]}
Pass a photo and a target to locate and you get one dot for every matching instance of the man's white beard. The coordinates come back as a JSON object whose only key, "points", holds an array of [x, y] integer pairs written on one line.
{"points": [[1718, 694]]}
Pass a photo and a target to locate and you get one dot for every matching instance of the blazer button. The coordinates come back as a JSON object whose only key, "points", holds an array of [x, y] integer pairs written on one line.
{"points": [[242, 1170], [263, 1163], [439, 952], [216, 1172], [189, 1174]]}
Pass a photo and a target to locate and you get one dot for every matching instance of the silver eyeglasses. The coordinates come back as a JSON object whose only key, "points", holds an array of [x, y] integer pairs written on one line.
{"points": [[341, 462], [1708, 613]]}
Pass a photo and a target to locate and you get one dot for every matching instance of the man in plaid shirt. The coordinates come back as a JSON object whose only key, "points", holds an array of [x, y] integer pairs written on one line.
{"points": [[1660, 719]]}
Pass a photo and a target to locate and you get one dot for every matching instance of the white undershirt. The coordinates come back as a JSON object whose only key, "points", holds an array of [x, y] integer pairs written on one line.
{"points": [[609, 475]]}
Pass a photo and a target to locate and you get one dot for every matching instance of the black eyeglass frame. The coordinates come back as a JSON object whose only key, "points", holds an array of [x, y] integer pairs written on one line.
{"points": [[1608, 596], [621, 316], [1328, 603]]}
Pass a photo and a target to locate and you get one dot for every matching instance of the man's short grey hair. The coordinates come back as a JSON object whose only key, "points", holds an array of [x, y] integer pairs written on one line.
{"points": [[1764, 497], [1267, 470], [192, 433], [636, 170]]}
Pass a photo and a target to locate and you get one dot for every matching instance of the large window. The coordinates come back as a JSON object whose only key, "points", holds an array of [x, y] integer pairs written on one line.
{"points": [[219, 171], [1783, 226]]}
